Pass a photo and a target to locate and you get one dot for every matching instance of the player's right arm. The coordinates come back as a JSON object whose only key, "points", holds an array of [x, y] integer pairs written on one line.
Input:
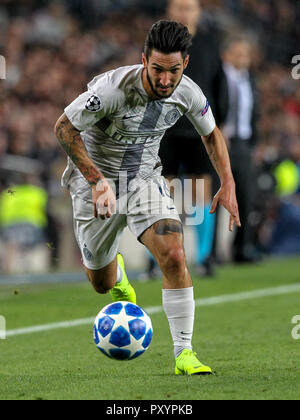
{"points": [[102, 194], [71, 141]]}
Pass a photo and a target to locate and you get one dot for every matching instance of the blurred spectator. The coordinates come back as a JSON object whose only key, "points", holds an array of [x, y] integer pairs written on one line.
{"points": [[23, 220], [241, 133], [285, 236]]}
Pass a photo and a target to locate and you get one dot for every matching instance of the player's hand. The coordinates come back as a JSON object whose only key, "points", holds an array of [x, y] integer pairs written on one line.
{"points": [[104, 200], [226, 197]]}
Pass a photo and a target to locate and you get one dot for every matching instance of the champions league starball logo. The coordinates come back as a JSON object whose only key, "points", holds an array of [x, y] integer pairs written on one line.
{"points": [[93, 104]]}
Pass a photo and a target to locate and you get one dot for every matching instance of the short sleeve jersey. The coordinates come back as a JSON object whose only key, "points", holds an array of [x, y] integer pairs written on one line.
{"points": [[122, 127]]}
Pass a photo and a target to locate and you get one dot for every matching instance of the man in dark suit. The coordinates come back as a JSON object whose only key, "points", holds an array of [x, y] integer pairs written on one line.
{"points": [[240, 129], [181, 151]]}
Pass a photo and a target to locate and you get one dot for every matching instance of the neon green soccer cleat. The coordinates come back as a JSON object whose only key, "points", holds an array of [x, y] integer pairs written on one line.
{"points": [[123, 291], [188, 364]]}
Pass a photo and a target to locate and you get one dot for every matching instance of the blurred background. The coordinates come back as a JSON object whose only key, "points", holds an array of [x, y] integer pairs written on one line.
{"points": [[53, 49]]}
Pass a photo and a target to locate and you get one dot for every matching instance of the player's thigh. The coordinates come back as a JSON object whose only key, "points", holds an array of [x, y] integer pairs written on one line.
{"points": [[151, 203], [163, 235], [154, 220], [164, 239]]}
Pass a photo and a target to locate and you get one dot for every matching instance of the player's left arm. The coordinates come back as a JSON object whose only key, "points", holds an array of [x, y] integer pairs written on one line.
{"points": [[219, 156], [200, 115]]}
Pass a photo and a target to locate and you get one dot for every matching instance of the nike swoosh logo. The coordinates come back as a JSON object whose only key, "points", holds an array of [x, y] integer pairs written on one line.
{"points": [[184, 333], [172, 208], [129, 116]]}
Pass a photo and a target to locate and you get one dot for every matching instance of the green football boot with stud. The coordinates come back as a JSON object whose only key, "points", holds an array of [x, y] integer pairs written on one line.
{"points": [[123, 291], [187, 363]]}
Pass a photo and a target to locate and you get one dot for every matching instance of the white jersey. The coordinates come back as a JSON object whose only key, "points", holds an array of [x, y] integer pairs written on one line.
{"points": [[122, 127]]}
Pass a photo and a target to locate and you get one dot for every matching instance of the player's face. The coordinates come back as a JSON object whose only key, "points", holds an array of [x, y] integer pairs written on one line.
{"points": [[163, 73]]}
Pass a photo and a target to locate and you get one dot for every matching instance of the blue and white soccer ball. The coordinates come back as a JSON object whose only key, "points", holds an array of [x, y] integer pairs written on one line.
{"points": [[123, 331]]}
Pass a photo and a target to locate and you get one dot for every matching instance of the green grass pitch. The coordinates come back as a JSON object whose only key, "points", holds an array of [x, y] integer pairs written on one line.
{"points": [[248, 343]]}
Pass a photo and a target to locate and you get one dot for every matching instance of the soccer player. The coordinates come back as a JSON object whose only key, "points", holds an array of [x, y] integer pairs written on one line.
{"points": [[115, 127]]}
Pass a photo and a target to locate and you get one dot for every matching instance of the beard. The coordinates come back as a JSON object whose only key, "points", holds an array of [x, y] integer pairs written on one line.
{"points": [[156, 93]]}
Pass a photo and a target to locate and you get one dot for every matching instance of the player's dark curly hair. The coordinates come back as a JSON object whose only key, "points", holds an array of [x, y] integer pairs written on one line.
{"points": [[167, 36]]}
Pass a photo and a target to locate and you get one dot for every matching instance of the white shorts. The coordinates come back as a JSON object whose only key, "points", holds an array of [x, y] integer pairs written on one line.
{"points": [[99, 239]]}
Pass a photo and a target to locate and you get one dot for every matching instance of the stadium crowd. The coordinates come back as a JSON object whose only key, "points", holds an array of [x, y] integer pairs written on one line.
{"points": [[53, 48]]}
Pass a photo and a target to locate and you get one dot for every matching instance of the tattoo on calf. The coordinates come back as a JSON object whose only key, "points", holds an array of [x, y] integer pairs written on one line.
{"points": [[165, 227]]}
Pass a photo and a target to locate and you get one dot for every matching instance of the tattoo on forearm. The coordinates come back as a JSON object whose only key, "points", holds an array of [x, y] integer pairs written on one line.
{"points": [[167, 226], [71, 141], [213, 160]]}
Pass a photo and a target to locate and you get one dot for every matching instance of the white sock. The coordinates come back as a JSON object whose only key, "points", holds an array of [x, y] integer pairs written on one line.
{"points": [[179, 306], [119, 274]]}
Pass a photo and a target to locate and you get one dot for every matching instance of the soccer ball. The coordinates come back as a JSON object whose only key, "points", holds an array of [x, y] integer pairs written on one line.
{"points": [[123, 331]]}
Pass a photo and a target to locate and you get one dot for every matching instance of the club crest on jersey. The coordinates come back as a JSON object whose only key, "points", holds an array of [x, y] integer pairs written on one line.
{"points": [[172, 116], [87, 253], [204, 111], [93, 104]]}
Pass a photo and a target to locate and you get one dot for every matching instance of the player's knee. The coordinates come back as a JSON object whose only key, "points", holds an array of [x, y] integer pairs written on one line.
{"points": [[101, 289], [102, 285], [174, 260]]}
